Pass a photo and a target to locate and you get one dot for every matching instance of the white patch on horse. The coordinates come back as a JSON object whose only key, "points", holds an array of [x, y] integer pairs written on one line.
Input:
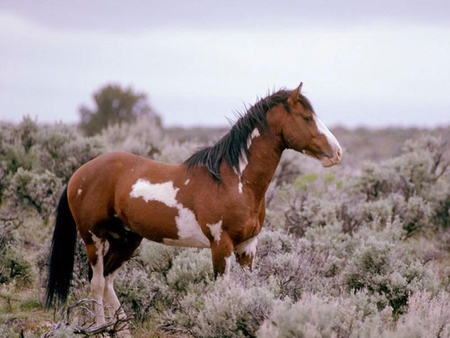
{"points": [[248, 247], [186, 182], [240, 185], [328, 134], [79, 192], [189, 231], [255, 133], [98, 280], [216, 230], [227, 267], [99, 245], [243, 159], [110, 299], [161, 192]]}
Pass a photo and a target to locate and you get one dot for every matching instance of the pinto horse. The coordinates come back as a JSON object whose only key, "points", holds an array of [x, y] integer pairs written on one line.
{"points": [[215, 199]]}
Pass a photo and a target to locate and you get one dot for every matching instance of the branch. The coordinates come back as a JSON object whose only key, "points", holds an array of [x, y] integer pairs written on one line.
{"points": [[117, 324]]}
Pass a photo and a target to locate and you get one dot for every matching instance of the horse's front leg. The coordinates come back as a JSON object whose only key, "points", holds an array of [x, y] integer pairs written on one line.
{"points": [[222, 251], [246, 252]]}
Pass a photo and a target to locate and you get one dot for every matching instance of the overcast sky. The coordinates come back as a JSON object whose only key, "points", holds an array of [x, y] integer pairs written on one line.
{"points": [[363, 63]]}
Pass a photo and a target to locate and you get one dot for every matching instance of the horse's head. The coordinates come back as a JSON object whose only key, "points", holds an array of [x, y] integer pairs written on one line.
{"points": [[303, 131]]}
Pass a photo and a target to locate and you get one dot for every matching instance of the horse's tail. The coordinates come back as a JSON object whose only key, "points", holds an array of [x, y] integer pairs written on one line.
{"points": [[62, 254]]}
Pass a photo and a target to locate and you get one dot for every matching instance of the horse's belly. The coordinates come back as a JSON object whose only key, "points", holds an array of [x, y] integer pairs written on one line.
{"points": [[192, 242]]}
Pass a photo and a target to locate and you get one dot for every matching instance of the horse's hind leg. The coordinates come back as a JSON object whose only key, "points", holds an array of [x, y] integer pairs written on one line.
{"points": [[122, 245], [95, 252]]}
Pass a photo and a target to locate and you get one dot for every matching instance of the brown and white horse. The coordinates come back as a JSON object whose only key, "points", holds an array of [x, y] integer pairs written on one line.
{"points": [[215, 199]]}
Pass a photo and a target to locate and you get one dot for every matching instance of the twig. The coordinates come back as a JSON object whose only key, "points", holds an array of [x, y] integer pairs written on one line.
{"points": [[116, 325]]}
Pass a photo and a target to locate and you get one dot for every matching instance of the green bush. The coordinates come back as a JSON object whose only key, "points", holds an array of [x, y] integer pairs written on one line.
{"points": [[223, 309], [310, 317], [137, 290], [233, 311], [413, 183], [14, 267], [39, 192], [427, 316], [192, 267], [144, 138], [63, 150], [387, 270]]}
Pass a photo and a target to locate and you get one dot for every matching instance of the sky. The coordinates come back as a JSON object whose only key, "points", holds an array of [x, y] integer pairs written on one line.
{"points": [[362, 63]]}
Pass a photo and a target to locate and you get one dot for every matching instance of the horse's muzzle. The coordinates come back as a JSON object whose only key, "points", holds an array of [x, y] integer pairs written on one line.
{"points": [[329, 161]]}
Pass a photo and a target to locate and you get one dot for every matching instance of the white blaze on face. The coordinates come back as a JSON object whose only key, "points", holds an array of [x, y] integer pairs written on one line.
{"points": [[330, 137], [189, 232]]}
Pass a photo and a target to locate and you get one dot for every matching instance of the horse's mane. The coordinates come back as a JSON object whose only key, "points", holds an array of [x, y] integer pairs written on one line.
{"points": [[230, 146]]}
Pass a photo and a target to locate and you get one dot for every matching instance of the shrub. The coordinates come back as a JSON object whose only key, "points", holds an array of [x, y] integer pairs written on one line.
{"points": [[233, 311], [17, 145], [136, 290], [223, 309], [144, 137], [39, 192], [441, 215], [291, 268], [427, 316], [63, 150], [191, 268], [159, 276], [14, 266], [177, 152], [310, 317], [156, 257], [387, 270], [414, 173]]}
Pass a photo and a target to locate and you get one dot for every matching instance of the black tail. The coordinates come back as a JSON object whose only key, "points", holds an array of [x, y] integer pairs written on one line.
{"points": [[62, 254]]}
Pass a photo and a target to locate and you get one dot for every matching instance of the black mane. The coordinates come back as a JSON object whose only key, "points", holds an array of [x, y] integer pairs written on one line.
{"points": [[232, 144]]}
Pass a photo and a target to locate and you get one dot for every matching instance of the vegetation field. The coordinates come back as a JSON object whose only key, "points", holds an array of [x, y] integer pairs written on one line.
{"points": [[358, 250]]}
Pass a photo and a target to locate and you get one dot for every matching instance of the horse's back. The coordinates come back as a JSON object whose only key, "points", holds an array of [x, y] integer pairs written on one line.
{"points": [[114, 168], [99, 189]]}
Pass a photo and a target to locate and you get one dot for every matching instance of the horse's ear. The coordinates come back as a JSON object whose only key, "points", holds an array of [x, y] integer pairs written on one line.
{"points": [[293, 98]]}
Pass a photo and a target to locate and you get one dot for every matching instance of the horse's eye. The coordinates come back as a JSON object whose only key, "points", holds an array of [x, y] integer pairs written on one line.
{"points": [[308, 118]]}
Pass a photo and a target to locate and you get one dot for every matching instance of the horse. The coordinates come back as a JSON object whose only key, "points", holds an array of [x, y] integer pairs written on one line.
{"points": [[215, 199]]}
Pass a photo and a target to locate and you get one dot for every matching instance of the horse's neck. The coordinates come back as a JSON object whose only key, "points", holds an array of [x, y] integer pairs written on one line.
{"points": [[264, 156]]}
